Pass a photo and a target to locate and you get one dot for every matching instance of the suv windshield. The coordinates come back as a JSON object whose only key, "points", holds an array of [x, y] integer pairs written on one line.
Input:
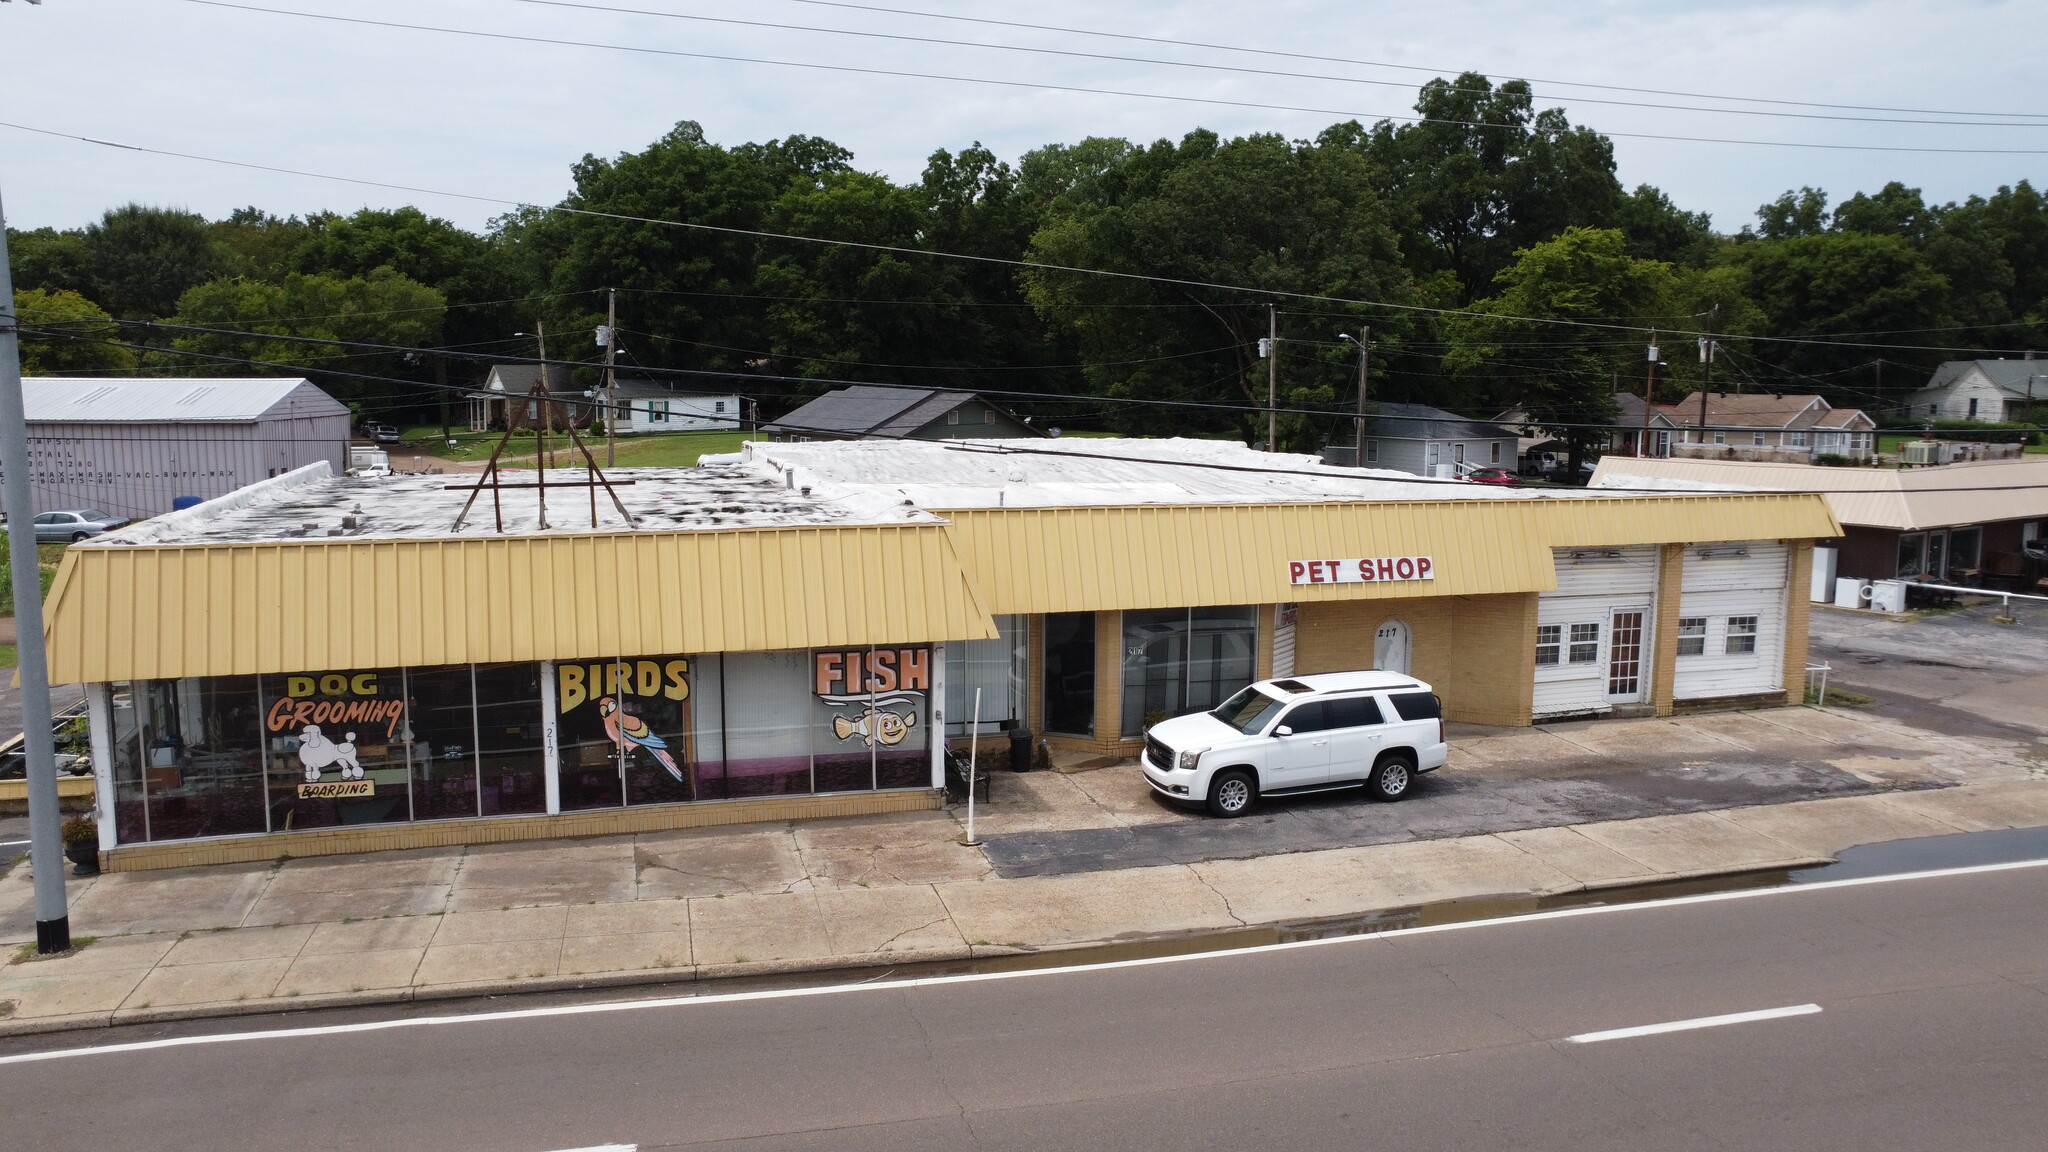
{"points": [[1248, 710]]}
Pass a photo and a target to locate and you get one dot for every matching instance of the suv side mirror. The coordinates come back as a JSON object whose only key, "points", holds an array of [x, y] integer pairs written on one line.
{"points": [[1283, 730]]}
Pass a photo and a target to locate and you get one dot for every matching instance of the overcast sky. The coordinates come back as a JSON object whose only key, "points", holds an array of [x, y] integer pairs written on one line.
{"points": [[505, 119]]}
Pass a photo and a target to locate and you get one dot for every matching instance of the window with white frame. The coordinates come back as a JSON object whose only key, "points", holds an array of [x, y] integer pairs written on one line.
{"points": [[1372, 451], [1692, 635], [1799, 439], [1493, 456], [1741, 636], [1757, 438], [657, 411], [1549, 638], [1720, 436], [1585, 647], [718, 405], [953, 417]]}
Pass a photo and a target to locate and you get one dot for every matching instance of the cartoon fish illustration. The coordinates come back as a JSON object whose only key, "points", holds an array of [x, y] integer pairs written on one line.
{"points": [[875, 726], [625, 728]]}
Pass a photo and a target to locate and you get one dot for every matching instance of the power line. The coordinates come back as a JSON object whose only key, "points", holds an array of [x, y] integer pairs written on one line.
{"points": [[646, 50], [1238, 48], [2005, 120]]}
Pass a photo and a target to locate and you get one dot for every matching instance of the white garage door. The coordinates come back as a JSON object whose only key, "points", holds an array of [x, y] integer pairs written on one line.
{"points": [[1593, 640], [1731, 620]]}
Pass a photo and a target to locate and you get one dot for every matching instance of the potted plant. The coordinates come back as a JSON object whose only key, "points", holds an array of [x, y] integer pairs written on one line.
{"points": [[82, 845]]}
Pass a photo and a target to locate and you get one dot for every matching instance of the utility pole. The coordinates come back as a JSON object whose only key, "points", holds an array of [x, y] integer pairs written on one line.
{"points": [[1707, 372], [46, 847], [547, 409], [1649, 398], [611, 381], [1272, 378], [1364, 377]]}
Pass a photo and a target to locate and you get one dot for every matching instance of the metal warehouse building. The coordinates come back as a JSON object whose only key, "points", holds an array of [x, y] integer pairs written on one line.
{"points": [[133, 446], [797, 629]]}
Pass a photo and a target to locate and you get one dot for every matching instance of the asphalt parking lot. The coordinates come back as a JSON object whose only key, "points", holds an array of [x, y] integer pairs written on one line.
{"points": [[1957, 672]]}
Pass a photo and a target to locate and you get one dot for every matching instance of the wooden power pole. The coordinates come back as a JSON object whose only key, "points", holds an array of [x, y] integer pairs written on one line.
{"points": [[1364, 379], [611, 380], [1272, 379], [1649, 399]]}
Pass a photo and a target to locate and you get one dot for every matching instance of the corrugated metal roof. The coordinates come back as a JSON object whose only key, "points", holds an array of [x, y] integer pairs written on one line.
{"points": [[119, 614], [853, 411], [1906, 499], [1154, 556], [1422, 422], [172, 399]]}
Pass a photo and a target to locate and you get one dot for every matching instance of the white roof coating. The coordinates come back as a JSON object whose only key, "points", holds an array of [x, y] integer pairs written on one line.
{"points": [[313, 503], [1088, 472], [1951, 495], [169, 399]]}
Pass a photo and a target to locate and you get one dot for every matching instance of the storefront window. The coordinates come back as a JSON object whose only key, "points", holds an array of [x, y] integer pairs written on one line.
{"points": [[1185, 660], [510, 749], [336, 748], [440, 737], [131, 811], [1965, 548], [625, 732], [874, 718], [1070, 673], [202, 757], [1912, 555], [764, 714], [998, 668]]}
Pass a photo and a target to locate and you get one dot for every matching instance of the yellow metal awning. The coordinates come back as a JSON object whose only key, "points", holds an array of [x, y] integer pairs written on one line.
{"points": [[1168, 556], [121, 613]]}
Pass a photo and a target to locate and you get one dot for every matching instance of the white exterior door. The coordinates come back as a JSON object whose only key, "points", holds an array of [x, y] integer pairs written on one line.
{"points": [[1731, 620], [1390, 648], [1593, 633]]}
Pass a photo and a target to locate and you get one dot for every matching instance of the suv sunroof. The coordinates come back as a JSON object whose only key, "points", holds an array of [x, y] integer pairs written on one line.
{"points": [[1292, 686]]}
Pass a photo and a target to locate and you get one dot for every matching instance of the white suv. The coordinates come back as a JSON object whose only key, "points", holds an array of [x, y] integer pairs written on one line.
{"points": [[1298, 735]]}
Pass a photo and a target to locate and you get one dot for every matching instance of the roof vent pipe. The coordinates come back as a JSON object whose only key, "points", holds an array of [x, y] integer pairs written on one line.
{"points": [[789, 478]]}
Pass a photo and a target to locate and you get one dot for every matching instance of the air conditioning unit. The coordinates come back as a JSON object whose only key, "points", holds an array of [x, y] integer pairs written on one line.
{"points": [[1921, 451]]}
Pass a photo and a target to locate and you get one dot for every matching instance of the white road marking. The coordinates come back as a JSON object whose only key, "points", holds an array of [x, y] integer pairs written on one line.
{"points": [[1019, 974], [1689, 1025], [606, 1148]]}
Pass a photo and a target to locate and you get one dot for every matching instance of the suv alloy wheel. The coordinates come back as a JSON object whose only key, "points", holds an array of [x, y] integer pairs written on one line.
{"points": [[1231, 793]]}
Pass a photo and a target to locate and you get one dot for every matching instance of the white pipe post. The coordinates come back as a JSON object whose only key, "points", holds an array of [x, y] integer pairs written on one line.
{"points": [[46, 847], [973, 751]]}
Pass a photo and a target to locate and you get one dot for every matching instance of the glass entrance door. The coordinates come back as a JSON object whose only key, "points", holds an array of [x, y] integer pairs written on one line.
{"points": [[1625, 657]]}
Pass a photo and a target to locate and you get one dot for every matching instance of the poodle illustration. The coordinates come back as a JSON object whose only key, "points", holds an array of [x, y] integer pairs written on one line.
{"points": [[317, 752]]}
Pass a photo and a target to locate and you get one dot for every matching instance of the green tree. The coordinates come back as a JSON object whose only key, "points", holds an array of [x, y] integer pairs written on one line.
{"points": [[1261, 212], [48, 259], [261, 244], [1657, 229], [138, 261], [1563, 374], [64, 334], [1794, 214], [1860, 287], [1484, 175], [383, 308]]}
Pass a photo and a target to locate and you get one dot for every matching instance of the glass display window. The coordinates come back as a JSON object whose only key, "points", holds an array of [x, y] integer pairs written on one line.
{"points": [[440, 739], [511, 744], [335, 748], [197, 753], [998, 668], [872, 718], [764, 720], [1183, 660], [1069, 673], [131, 805], [625, 731]]}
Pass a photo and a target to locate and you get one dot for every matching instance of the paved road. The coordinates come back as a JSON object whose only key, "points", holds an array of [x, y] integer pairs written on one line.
{"points": [[1933, 1032]]}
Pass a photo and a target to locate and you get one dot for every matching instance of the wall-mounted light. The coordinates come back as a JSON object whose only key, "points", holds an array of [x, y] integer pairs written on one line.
{"points": [[1596, 556], [1738, 552]]}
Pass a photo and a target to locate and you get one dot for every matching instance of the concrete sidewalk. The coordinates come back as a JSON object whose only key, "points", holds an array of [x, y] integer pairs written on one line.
{"points": [[708, 903]]}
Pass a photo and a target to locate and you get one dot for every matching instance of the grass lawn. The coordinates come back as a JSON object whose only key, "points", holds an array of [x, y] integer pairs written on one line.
{"points": [[671, 450], [8, 659]]}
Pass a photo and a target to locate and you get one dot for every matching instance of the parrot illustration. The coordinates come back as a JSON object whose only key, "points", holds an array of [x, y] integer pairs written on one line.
{"points": [[626, 729]]}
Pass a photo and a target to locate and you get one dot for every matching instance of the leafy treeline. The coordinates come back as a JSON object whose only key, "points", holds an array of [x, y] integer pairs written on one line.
{"points": [[1471, 231]]}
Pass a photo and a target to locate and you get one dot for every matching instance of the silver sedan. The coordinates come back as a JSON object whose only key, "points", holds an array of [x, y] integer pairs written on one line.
{"points": [[73, 526]]}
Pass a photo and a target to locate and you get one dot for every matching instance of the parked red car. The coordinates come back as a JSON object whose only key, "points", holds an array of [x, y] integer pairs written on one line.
{"points": [[1493, 476]]}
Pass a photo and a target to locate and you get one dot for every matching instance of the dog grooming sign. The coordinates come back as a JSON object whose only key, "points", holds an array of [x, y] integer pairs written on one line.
{"points": [[322, 718]]}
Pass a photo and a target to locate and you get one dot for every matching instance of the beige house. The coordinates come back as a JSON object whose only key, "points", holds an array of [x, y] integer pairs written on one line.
{"points": [[1774, 427]]}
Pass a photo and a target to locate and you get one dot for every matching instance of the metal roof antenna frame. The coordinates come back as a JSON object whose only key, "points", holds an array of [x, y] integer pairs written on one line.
{"points": [[541, 400]]}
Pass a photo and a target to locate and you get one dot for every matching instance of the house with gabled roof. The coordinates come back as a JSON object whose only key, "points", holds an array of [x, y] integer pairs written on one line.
{"points": [[881, 412], [1989, 390], [1769, 426]]}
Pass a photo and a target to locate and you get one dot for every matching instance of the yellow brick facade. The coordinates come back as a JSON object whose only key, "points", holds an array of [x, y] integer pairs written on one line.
{"points": [[1664, 633], [1478, 651], [1798, 618]]}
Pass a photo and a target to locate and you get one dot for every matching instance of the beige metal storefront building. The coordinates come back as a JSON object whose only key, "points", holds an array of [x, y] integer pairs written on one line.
{"points": [[322, 665]]}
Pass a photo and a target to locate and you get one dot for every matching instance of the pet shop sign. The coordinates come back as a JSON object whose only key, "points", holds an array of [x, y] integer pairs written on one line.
{"points": [[323, 715]]}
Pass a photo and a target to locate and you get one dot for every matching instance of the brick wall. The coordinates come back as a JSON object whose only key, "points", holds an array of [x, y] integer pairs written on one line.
{"points": [[1798, 617], [1478, 651], [1664, 632]]}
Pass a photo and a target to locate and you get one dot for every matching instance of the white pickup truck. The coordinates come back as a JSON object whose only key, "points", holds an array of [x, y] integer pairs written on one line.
{"points": [[1297, 735]]}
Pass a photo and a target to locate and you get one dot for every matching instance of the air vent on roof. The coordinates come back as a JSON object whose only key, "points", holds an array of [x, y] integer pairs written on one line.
{"points": [[95, 394], [195, 395]]}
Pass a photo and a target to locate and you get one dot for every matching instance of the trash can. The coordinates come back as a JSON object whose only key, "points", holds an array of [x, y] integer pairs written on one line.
{"points": [[1020, 749]]}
